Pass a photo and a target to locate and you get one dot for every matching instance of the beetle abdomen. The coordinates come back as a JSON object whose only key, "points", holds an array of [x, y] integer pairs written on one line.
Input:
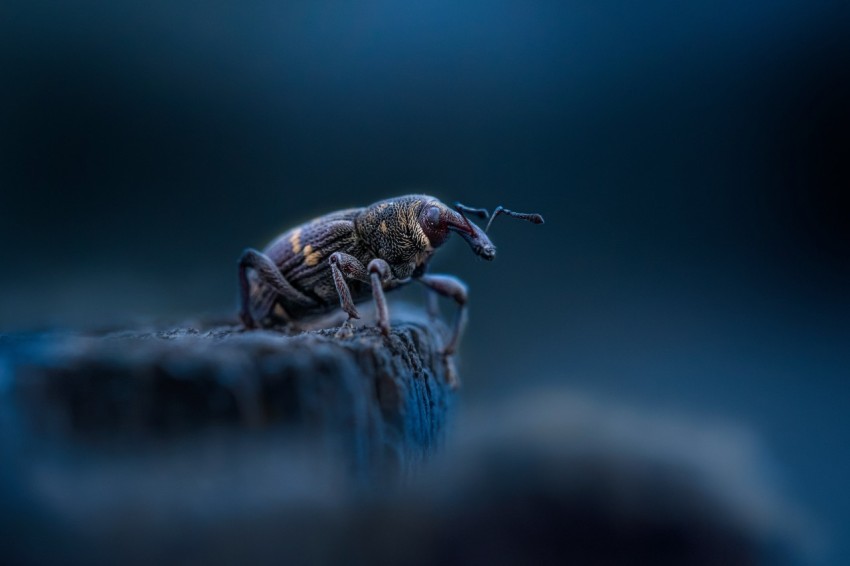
{"points": [[302, 255]]}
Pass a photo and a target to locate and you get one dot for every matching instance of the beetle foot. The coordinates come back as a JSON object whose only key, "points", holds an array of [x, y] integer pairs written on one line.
{"points": [[452, 379], [346, 330], [352, 313], [247, 321], [294, 329], [384, 327]]}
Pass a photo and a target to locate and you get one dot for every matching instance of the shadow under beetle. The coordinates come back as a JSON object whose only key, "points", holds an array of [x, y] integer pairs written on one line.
{"points": [[345, 257]]}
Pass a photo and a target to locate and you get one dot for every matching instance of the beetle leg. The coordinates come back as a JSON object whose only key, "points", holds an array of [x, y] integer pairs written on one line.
{"points": [[346, 266], [376, 274], [431, 305], [453, 288], [270, 275], [380, 273]]}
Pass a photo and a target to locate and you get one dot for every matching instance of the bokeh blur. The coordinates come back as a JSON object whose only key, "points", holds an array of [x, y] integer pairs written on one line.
{"points": [[691, 160]]}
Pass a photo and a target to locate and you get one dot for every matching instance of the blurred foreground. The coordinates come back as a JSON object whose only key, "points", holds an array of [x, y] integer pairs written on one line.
{"points": [[220, 447]]}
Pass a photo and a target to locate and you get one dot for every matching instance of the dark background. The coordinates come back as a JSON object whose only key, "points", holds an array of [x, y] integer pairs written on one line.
{"points": [[691, 160]]}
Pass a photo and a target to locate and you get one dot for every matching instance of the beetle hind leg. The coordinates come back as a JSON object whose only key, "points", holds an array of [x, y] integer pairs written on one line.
{"points": [[270, 277]]}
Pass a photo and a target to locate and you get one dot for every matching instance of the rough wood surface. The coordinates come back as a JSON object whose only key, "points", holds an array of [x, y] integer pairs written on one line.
{"points": [[215, 446], [379, 400]]}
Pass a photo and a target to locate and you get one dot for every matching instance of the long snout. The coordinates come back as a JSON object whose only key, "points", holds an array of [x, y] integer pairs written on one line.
{"points": [[474, 236], [480, 244]]}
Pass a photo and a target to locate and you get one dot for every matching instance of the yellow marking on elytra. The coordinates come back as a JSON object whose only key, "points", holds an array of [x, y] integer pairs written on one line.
{"points": [[278, 310], [295, 240], [313, 258], [384, 226]]}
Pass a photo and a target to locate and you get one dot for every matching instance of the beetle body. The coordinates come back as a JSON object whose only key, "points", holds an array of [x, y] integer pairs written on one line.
{"points": [[301, 254], [346, 257]]}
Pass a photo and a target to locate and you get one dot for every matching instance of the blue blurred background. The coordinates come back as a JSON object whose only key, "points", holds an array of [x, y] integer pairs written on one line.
{"points": [[691, 160]]}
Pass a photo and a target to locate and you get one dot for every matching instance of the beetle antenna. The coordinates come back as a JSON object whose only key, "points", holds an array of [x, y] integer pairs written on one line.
{"points": [[460, 208], [479, 212], [534, 218]]}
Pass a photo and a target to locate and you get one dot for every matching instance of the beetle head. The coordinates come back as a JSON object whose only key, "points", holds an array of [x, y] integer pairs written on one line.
{"points": [[438, 221]]}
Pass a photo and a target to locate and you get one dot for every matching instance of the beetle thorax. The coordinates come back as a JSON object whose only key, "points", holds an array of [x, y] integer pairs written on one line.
{"points": [[392, 231]]}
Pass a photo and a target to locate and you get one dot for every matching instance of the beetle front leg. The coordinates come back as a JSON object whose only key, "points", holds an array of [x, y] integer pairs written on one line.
{"points": [[380, 273], [454, 288], [347, 266], [432, 308]]}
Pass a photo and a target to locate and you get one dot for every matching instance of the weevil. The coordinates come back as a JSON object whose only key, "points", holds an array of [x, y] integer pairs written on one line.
{"points": [[343, 258]]}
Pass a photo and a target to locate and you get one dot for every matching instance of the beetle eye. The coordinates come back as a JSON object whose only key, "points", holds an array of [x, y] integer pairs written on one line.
{"points": [[432, 216], [433, 224]]}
